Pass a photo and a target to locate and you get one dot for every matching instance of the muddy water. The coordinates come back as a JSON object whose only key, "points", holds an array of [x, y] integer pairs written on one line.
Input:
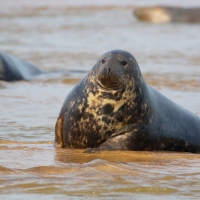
{"points": [[66, 40]]}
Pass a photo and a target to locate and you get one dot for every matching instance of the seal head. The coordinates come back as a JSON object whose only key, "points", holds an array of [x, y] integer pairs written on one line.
{"points": [[113, 73]]}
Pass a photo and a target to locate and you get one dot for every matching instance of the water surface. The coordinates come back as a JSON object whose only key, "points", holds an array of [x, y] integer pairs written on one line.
{"points": [[66, 39]]}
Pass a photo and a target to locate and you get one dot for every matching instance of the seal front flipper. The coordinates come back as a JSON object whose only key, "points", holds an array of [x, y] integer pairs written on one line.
{"points": [[58, 142], [118, 141], [135, 140]]}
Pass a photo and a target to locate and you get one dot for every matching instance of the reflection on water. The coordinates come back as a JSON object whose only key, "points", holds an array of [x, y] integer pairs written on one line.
{"points": [[66, 42], [36, 168]]}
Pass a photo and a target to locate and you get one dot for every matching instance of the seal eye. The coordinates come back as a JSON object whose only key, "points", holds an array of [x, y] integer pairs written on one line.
{"points": [[123, 62], [103, 61]]}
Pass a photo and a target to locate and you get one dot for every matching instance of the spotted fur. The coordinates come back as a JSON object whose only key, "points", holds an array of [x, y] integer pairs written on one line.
{"points": [[113, 108]]}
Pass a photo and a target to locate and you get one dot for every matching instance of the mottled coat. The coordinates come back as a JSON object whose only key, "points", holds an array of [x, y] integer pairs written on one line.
{"points": [[113, 108]]}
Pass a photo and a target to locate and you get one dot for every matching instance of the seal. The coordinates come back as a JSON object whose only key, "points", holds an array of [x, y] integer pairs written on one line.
{"points": [[163, 14], [113, 108], [14, 69]]}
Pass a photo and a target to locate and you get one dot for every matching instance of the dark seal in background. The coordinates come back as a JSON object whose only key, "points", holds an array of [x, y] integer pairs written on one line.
{"points": [[15, 69]]}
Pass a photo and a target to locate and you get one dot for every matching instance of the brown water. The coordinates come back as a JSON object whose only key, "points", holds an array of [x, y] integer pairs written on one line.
{"points": [[61, 36]]}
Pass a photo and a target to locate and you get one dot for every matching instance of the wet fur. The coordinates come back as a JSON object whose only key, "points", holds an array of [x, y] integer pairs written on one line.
{"points": [[132, 117]]}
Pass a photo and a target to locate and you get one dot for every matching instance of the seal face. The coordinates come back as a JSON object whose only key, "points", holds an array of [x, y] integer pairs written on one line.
{"points": [[113, 108], [113, 74]]}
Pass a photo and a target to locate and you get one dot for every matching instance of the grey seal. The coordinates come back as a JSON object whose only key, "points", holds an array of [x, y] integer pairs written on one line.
{"points": [[163, 14], [15, 69], [113, 108]]}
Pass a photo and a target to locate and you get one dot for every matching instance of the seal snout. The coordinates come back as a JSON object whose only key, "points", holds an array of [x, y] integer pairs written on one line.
{"points": [[107, 78]]}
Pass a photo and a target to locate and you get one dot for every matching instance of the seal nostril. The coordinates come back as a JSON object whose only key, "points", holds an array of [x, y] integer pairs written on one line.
{"points": [[104, 71], [109, 71]]}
